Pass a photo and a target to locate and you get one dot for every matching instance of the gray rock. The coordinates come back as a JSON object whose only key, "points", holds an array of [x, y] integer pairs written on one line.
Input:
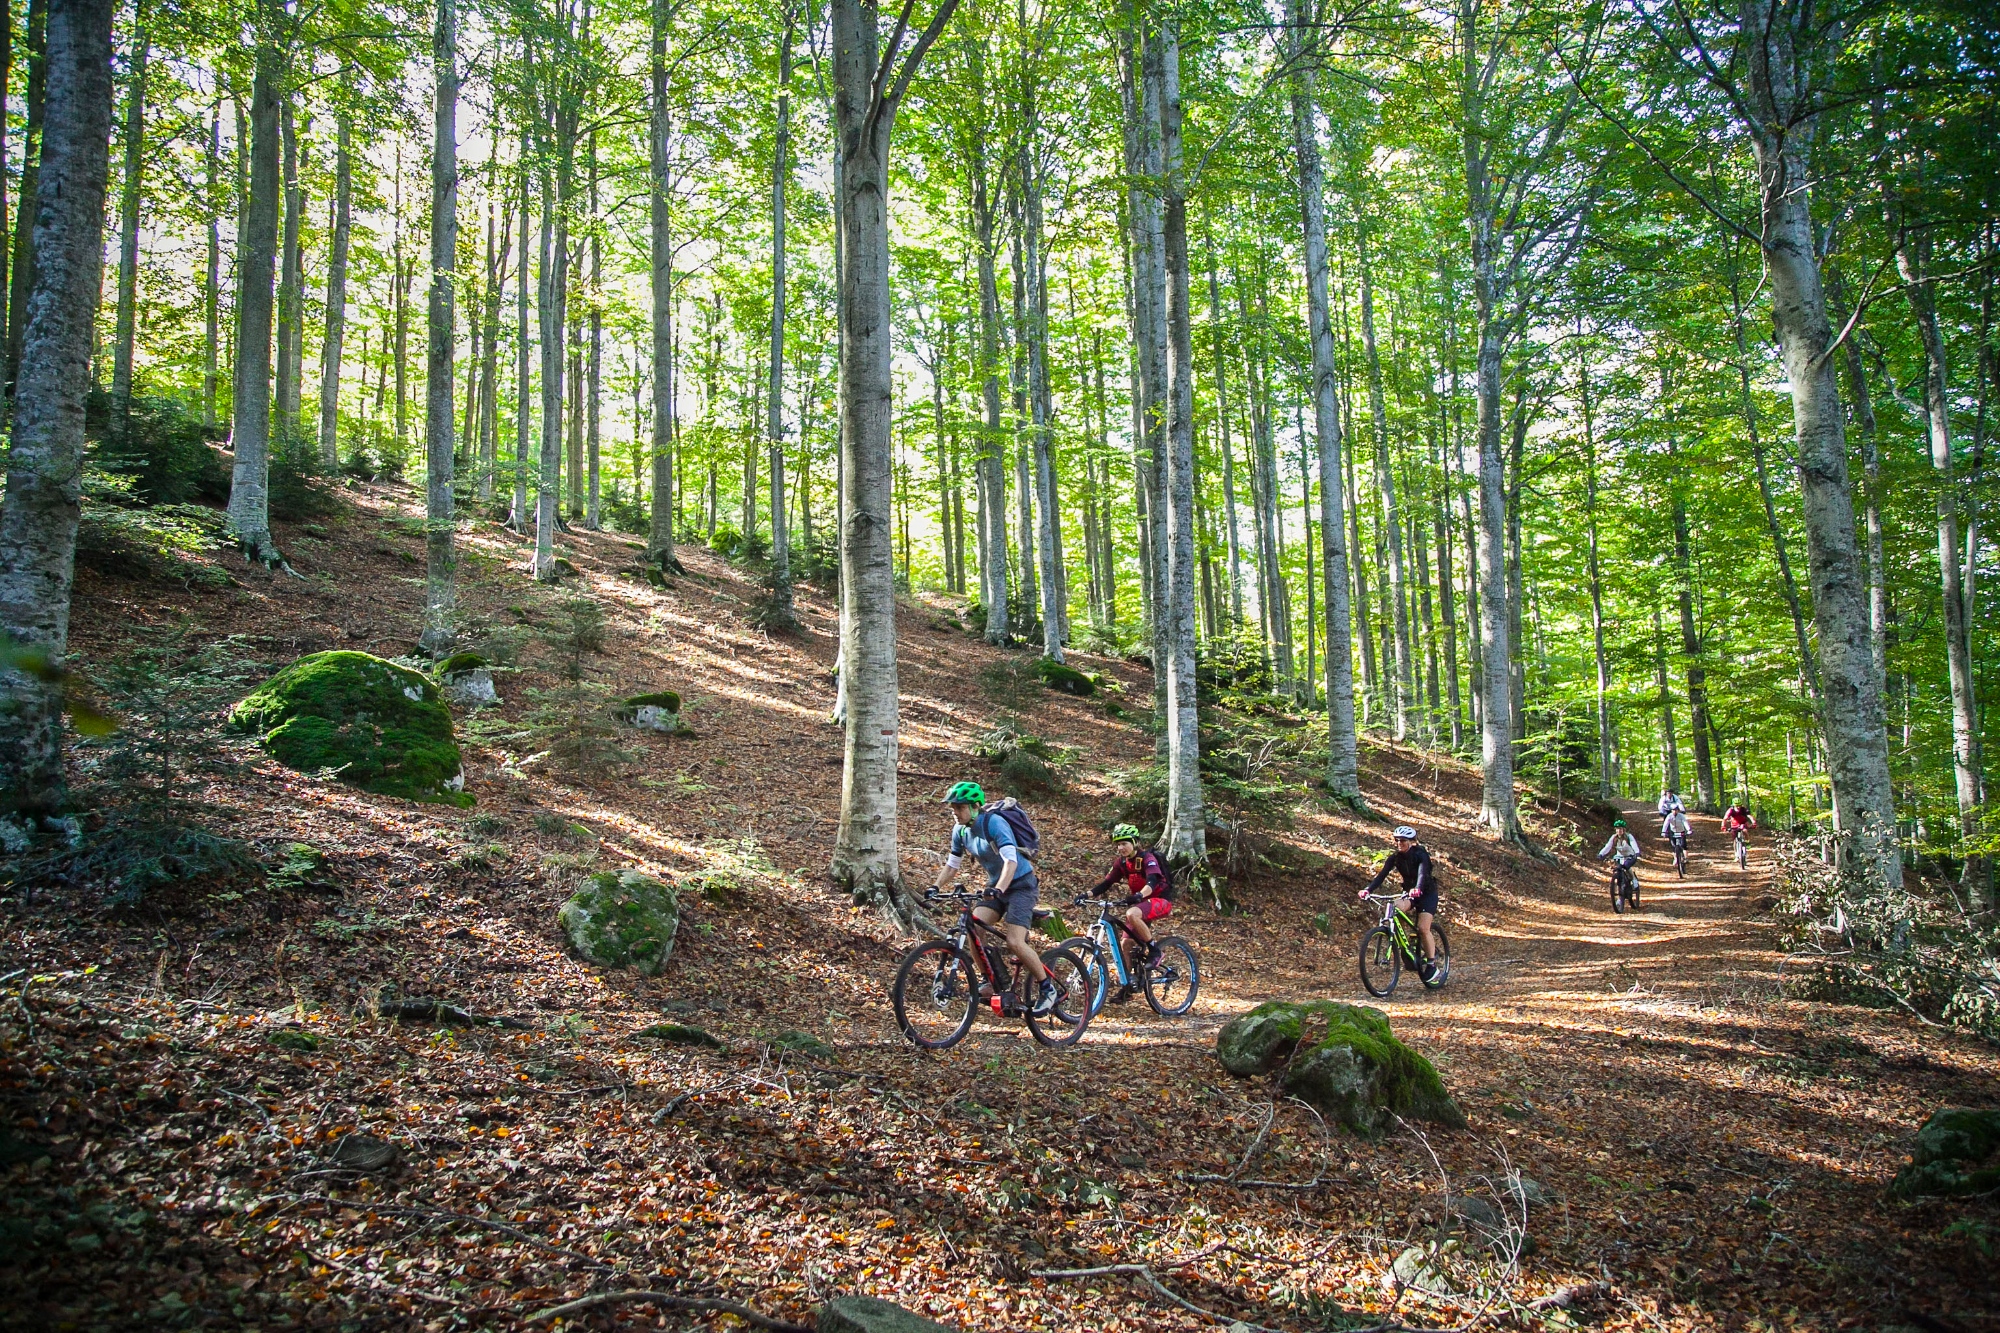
{"points": [[471, 689], [1412, 1269], [865, 1314], [623, 919], [363, 1152], [1532, 1191], [1957, 1153], [652, 717]]}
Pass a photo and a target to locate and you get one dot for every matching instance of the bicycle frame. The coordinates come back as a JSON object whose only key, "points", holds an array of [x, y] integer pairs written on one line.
{"points": [[1400, 923], [973, 936], [1104, 934]]}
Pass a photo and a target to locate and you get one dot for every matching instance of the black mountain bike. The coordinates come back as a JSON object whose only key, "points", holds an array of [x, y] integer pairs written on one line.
{"points": [[1624, 886], [941, 984], [1742, 852], [1680, 846]]}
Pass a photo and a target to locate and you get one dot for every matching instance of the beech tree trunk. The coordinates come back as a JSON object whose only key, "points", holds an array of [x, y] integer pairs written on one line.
{"points": [[551, 324], [1401, 684], [124, 335], [291, 280], [1048, 514], [518, 513], [1605, 791], [865, 857], [1691, 652], [23, 277], [593, 394], [250, 394], [781, 615], [211, 293], [660, 531], [1913, 253], [38, 516], [440, 592], [336, 296], [1221, 353], [1187, 821], [1777, 87]]}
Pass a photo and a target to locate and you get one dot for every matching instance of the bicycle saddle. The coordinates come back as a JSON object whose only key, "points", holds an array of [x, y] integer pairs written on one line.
{"points": [[1042, 914]]}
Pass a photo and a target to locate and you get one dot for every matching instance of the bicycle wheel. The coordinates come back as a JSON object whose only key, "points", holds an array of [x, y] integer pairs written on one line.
{"points": [[1172, 986], [1442, 960], [1381, 962], [1064, 1024], [1681, 861], [1618, 893], [935, 994], [1100, 971], [1742, 855]]}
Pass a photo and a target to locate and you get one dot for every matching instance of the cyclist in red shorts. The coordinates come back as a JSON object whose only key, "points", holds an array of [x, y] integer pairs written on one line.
{"points": [[1152, 889]]}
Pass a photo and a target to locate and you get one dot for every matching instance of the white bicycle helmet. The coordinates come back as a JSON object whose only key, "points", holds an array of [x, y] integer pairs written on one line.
{"points": [[1405, 831]]}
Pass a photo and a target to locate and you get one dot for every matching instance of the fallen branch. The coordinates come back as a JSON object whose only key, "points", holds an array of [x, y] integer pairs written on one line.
{"points": [[377, 1280], [667, 1300], [439, 1214], [1570, 1297], [1249, 1154]]}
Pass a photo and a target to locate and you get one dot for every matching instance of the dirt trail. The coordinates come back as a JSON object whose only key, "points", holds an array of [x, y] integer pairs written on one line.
{"points": [[1714, 1155]]}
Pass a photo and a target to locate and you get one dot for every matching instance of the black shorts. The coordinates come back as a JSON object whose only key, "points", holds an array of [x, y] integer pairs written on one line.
{"points": [[1427, 901]]}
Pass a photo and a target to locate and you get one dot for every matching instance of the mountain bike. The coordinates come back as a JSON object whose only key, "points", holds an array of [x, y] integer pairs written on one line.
{"points": [[1170, 986], [1680, 846], [941, 984], [1394, 945], [1742, 852], [1624, 886]]}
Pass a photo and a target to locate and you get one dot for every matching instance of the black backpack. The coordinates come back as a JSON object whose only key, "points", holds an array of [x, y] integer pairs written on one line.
{"points": [[1023, 828]]}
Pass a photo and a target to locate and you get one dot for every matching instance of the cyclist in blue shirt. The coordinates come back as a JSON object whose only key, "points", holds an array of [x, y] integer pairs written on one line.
{"points": [[1011, 887]]}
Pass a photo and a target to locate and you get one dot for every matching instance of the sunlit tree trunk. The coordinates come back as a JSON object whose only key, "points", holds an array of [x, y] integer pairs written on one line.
{"points": [[128, 208], [440, 593], [518, 512], [781, 615], [291, 281], [593, 393], [23, 275], [1048, 516], [660, 531], [336, 295], [1385, 484], [1913, 255], [1692, 648], [211, 292], [865, 104], [250, 397], [551, 324], [1602, 658], [1187, 821], [1220, 338], [1777, 82], [38, 516]]}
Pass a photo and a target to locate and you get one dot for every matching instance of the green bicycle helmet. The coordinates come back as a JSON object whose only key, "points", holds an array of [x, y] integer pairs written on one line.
{"points": [[1617, 823], [1125, 833], [965, 793]]}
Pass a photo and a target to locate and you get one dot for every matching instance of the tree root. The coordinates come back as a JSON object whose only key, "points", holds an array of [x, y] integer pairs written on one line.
{"points": [[667, 1301]]}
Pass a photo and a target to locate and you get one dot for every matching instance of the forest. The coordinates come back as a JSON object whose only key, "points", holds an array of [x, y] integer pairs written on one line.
{"points": [[1586, 401]]}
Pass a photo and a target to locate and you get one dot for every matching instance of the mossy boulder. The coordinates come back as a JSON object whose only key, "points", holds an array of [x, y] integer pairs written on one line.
{"points": [[1342, 1059], [1068, 679], [867, 1314], [458, 662], [682, 1034], [658, 711], [623, 919], [380, 726], [1957, 1153]]}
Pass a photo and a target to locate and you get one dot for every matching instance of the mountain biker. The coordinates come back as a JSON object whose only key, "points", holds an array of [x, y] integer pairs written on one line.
{"points": [[1736, 819], [1622, 846], [1011, 887], [1139, 870], [1413, 863], [1676, 826], [1670, 801]]}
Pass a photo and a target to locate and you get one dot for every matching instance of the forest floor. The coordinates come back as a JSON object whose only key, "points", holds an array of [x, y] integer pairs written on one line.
{"points": [[176, 1074]]}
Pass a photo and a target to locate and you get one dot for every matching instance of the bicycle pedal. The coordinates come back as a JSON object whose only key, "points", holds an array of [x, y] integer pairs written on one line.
{"points": [[1000, 1006]]}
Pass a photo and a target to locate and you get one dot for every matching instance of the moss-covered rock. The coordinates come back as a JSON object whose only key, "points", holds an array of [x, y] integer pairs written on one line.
{"points": [[803, 1043], [1068, 679], [1341, 1058], [666, 699], [658, 711], [623, 919], [380, 726], [458, 662], [682, 1034], [1957, 1153]]}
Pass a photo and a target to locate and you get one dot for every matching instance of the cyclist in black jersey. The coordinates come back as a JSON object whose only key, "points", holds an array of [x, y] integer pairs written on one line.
{"points": [[1413, 863]]}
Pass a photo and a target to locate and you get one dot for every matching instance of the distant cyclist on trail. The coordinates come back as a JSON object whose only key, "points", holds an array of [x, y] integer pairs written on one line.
{"points": [[1736, 819], [1011, 887], [1139, 870], [1420, 886], [1670, 802], [1675, 825], [1621, 846]]}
